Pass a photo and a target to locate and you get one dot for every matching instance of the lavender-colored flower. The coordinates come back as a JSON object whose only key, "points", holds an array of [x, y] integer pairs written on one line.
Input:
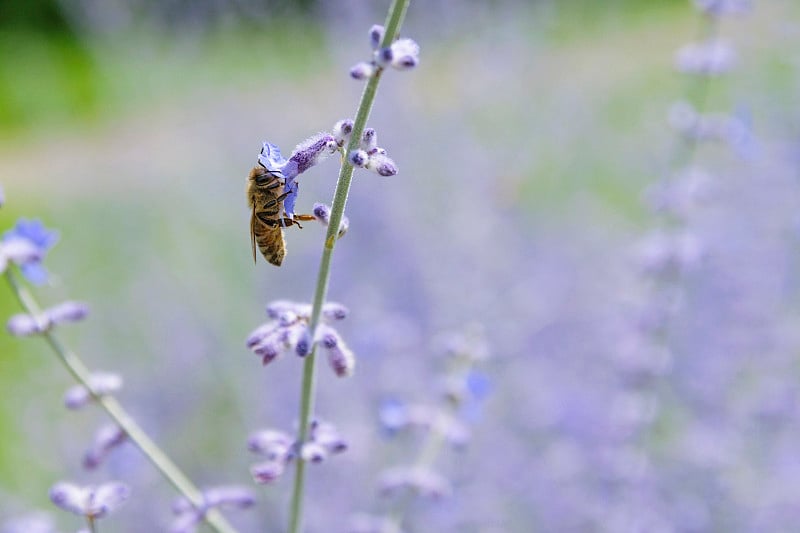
{"points": [[24, 325], [362, 71], [90, 501], [273, 444], [304, 343], [34, 232], [376, 33], [308, 153], [105, 440], [271, 159], [404, 54], [333, 311], [369, 140], [313, 452], [322, 213], [382, 164], [267, 471], [342, 131], [359, 158], [67, 312], [327, 436], [340, 358]]}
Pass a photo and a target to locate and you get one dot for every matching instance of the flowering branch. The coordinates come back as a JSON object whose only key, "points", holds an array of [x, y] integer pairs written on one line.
{"points": [[134, 432], [394, 20]]}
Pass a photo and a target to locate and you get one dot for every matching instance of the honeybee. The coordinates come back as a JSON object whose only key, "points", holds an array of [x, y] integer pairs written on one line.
{"points": [[268, 219]]}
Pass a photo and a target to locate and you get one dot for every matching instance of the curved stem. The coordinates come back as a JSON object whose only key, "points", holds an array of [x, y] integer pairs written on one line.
{"points": [[394, 20], [118, 414]]}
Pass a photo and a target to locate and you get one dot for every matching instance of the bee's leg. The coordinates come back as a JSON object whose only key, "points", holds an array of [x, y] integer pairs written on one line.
{"points": [[294, 221]]}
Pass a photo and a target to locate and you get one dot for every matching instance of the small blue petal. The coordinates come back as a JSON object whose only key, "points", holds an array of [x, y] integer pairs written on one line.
{"points": [[34, 231], [34, 272], [288, 202], [271, 157], [479, 385]]}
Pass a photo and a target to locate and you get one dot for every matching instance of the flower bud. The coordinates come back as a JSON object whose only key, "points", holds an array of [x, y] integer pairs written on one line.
{"points": [[102, 383], [69, 497], [304, 343], [342, 131], [334, 311], [384, 56], [376, 34], [230, 497], [405, 54], [341, 360], [381, 164], [270, 443], [362, 71], [359, 158], [267, 472], [105, 440], [107, 497], [313, 452], [20, 251], [67, 312], [369, 140], [24, 325], [312, 151]]}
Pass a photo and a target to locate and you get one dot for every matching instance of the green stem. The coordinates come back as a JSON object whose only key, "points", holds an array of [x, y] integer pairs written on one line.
{"points": [[114, 409], [394, 20]]}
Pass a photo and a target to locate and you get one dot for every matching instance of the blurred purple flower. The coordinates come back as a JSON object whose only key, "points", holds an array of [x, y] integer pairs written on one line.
{"points": [[32, 232], [91, 501]]}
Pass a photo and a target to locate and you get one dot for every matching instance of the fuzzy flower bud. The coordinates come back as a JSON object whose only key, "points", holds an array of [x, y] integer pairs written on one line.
{"points": [[342, 131], [310, 152], [334, 311], [405, 54], [29, 260], [340, 358], [102, 383], [313, 452], [382, 164], [272, 444], [105, 440], [359, 158], [323, 213], [362, 71], [369, 140], [304, 344], [229, 497], [67, 312], [267, 472], [384, 56], [376, 34], [327, 436], [93, 502], [24, 325]]}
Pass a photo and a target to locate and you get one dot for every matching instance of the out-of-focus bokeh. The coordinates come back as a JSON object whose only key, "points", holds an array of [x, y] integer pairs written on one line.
{"points": [[527, 141]]}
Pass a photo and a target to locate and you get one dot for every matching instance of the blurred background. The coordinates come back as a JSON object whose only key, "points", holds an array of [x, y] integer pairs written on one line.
{"points": [[633, 387]]}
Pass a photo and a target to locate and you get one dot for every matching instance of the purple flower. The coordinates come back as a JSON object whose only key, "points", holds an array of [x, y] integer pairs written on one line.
{"points": [[225, 497], [93, 502], [32, 232], [105, 440]]}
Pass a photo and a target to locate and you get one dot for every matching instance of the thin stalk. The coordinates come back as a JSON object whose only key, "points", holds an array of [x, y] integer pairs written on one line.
{"points": [[394, 20], [118, 414]]}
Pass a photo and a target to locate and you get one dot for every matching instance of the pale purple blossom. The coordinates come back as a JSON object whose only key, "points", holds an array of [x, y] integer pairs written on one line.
{"points": [[29, 254], [89, 501], [105, 440]]}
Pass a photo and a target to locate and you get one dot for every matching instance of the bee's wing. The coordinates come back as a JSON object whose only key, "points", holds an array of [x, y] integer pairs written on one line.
{"points": [[253, 232]]}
